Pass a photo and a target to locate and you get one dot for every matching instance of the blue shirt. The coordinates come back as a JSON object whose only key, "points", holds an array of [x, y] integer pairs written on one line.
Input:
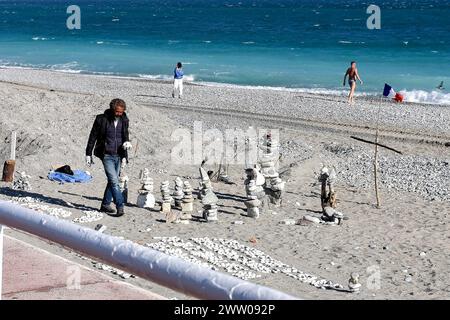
{"points": [[178, 73]]}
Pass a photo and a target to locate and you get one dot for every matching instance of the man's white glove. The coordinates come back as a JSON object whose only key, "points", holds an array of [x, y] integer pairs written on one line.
{"points": [[127, 145], [124, 164], [89, 161]]}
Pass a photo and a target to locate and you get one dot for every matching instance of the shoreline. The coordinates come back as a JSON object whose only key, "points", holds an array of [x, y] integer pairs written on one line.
{"points": [[321, 92]]}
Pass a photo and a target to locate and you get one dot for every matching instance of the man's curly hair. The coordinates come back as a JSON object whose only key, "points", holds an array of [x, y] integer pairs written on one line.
{"points": [[117, 103]]}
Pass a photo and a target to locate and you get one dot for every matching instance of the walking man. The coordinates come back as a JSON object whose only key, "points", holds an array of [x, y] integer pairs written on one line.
{"points": [[110, 137], [353, 75], [178, 80]]}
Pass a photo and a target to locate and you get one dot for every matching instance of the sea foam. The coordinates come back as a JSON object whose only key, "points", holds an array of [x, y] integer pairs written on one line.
{"points": [[421, 96], [189, 77]]}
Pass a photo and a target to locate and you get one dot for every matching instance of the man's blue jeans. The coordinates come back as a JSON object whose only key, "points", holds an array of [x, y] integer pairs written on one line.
{"points": [[112, 191]]}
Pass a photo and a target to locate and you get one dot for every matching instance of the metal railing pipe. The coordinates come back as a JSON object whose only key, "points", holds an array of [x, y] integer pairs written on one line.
{"points": [[168, 271]]}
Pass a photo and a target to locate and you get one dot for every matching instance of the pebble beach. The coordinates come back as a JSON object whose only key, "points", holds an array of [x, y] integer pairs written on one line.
{"points": [[403, 245]]}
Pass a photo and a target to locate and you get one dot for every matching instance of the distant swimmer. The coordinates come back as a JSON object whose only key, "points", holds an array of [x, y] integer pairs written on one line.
{"points": [[353, 75], [441, 86]]}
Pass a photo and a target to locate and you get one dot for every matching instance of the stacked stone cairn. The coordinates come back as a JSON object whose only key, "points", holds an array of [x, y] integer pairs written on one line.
{"points": [[205, 183], [255, 192], [178, 193], [123, 185], [166, 205], [146, 199], [187, 204], [327, 178], [268, 160], [22, 184], [208, 198], [353, 282]]}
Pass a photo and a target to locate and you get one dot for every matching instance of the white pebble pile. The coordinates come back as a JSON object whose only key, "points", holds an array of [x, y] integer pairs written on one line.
{"points": [[232, 257], [36, 204], [89, 216]]}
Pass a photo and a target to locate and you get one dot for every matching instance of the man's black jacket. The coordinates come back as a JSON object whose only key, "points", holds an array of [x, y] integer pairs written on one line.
{"points": [[97, 136]]}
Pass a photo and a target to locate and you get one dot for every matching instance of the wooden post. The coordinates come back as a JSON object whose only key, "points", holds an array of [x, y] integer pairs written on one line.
{"points": [[375, 169], [13, 145], [10, 165], [8, 170], [136, 149], [375, 162]]}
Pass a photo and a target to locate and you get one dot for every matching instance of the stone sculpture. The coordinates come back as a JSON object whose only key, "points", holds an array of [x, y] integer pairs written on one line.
{"points": [[178, 192], [207, 196], [255, 192], [353, 282], [146, 199], [22, 184], [327, 178], [268, 160], [187, 203], [166, 205]]}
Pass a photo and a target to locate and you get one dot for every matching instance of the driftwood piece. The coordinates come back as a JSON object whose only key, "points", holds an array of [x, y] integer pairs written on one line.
{"points": [[376, 144]]}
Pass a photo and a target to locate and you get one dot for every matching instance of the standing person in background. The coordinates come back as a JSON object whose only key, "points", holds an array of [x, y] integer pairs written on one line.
{"points": [[110, 137], [178, 80], [353, 75]]}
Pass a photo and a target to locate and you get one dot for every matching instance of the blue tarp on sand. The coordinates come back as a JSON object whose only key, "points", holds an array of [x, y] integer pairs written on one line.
{"points": [[78, 176]]}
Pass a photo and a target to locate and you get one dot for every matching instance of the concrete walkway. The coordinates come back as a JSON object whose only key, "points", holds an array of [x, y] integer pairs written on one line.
{"points": [[30, 273]]}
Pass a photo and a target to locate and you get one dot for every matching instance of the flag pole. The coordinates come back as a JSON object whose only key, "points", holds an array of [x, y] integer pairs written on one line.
{"points": [[375, 163]]}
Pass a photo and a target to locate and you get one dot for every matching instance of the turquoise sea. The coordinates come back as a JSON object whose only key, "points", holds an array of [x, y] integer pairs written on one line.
{"points": [[305, 45]]}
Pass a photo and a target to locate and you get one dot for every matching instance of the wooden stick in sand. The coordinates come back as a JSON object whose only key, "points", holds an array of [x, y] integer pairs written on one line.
{"points": [[9, 166], [136, 149], [378, 144], [13, 145], [375, 162]]}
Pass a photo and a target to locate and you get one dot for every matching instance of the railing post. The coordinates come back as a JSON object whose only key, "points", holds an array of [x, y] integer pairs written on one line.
{"points": [[1, 260]]}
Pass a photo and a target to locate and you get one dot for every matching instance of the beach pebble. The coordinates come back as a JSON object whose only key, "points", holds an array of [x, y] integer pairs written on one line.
{"points": [[238, 222], [422, 254], [288, 222], [237, 259]]}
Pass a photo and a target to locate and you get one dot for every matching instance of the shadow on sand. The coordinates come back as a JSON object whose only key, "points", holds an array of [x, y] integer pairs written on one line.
{"points": [[49, 200]]}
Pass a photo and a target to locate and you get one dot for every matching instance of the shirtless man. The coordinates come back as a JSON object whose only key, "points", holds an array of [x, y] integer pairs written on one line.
{"points": [[353, 75]]}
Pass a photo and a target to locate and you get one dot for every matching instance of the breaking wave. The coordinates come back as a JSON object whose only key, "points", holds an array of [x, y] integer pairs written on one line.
{"points": [[420, 96], [189, 77]]}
